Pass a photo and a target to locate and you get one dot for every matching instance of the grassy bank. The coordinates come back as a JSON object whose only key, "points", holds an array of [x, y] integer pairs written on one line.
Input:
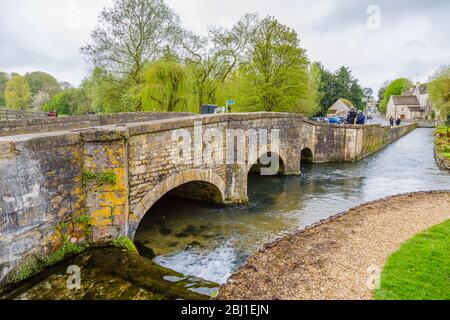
{"points": [[443, 141], [420, 270]]}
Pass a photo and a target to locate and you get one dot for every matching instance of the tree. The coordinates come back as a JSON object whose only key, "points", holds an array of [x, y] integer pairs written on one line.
{"points": [[383, 90], [4, 78], [397, 87], [40, 99], [277, 75], [18, 93], [70, 102], [337, 85], [439, 89], [213, 59], [165, 84], [107, 95], [42, 82], [129, 34]]}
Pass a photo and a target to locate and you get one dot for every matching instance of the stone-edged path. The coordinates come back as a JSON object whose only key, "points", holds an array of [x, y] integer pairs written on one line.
{"points": [[333, 260]]}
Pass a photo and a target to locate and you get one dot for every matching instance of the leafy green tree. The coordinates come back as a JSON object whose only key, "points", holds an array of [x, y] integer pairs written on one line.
{"points": [[42, 82], [128, 35], [70, 102], [327, 93], [4, 78], [108, 95], [397, 87], [439, 90], [18, 93], [277, 75], [337, 85]]}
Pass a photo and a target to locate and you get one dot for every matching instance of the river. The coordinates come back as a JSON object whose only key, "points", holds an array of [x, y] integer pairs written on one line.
{"points": [[211, 242]]}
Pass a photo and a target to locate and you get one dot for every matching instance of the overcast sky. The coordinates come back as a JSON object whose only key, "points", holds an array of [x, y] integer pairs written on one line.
{"points": [[410, 40]]}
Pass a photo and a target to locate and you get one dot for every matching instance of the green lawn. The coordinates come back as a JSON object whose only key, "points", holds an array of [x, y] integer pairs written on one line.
{"points": [[420, 270]]}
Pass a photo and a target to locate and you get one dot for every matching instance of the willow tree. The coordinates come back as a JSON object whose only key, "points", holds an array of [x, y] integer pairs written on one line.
{"points": [[128, 35], [165, 87]]}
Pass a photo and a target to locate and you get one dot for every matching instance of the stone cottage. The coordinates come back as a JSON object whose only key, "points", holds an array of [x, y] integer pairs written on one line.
{"points": [[413, 104], [340, 108]]}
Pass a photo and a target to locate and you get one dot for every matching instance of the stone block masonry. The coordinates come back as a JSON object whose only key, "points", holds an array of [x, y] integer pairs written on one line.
{"points": [[92, 185], [41, 125]]}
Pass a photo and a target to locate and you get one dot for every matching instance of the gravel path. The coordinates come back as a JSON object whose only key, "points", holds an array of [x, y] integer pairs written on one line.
{"points": [[331, 260]]}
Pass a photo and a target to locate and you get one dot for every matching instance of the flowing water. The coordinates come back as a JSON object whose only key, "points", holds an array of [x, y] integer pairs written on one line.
{"points": [[211, 242]]}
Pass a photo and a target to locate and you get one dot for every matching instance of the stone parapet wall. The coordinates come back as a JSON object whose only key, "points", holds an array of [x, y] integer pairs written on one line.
{"points": [[32, 126]]}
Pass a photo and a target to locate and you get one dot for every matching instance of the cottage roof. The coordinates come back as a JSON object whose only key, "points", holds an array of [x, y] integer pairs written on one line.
{"points": [[341, 104], [406, 101], [423, 89]]}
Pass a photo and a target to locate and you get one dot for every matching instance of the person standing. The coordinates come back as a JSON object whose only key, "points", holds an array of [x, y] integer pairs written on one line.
{"points": [[361, 119], [351, 117], [392, 121], [398, 122]]}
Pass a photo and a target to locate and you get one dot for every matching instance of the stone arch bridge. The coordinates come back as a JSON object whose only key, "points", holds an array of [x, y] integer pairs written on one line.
{"points": [[95, 183]]}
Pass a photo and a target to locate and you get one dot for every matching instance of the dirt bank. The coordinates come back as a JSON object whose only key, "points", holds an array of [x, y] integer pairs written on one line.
{"points": [[334, 260]]}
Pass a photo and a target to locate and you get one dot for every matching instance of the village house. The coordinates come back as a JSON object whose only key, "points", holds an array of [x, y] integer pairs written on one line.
{"points": [[340, 108], [414, 104]]}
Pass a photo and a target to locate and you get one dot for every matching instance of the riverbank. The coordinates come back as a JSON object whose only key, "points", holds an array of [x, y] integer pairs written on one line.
{"points": [[337, 258], [442, 148]]}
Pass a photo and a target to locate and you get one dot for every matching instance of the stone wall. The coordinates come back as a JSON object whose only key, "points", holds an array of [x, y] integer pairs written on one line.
{"points": [[40, 188], [26, 126], [441, 161], [430, 123], [95, 184]]}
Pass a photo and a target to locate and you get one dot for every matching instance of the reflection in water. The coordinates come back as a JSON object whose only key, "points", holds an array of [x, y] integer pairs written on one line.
{"points": [[212, 242]]}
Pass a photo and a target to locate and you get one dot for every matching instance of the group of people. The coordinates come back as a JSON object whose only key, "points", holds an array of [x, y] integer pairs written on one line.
{"points": [[53, 114], [393, 122], [354, 117]]}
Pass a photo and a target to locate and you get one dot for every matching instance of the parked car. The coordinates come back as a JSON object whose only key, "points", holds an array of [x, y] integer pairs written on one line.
{"points": [[335, 120], [319, 119], [343, 120]]}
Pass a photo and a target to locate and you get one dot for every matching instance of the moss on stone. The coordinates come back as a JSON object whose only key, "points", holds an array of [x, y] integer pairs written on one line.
{"points": [[103, 178], [125, 243], [37, 263]]}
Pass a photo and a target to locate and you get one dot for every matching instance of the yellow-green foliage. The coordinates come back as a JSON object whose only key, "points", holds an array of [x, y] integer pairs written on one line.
{"points": [[18, 93], [443, 140]]}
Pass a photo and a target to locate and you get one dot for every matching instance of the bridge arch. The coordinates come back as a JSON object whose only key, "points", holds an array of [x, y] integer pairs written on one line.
{"points": [[307, 155], [210, 185], [256, 166]]}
